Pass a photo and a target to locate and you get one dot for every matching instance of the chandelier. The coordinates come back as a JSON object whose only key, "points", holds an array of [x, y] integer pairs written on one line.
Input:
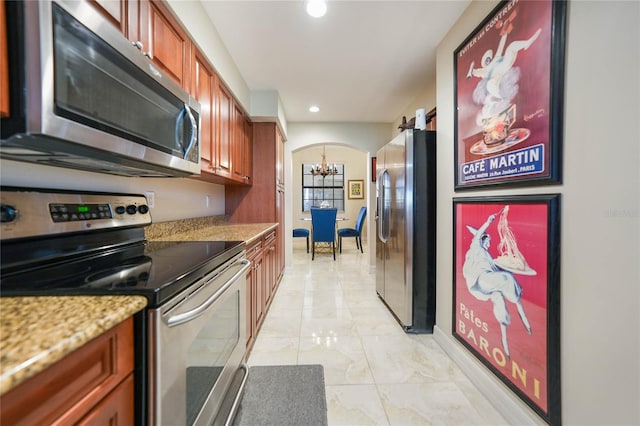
{"points": [[324, 169]]}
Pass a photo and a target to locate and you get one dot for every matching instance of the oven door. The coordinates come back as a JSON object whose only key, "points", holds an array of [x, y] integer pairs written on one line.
{"points": [[197, 343]]}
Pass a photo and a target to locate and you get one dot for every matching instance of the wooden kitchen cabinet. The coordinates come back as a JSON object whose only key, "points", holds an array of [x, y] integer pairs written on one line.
{"points": [[204, 80], [94, 382], [223, 122], [262, 280], [267, 177], [267, 189], [159, 36], [255, 285], [241, 148], [224, 143], [165, 42], [122, 14], [271, 265]]}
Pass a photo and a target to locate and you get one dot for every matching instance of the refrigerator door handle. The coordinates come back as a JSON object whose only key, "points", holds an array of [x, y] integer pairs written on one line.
{"points": [[383, 207]]}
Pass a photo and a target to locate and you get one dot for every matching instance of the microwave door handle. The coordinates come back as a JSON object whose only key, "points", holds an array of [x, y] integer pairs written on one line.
{"points": [[196, 312], [192, 139]]}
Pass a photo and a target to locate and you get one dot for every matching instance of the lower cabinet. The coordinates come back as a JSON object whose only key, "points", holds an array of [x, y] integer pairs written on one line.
{"points": [[255, 279], [262, 281], [92, 385]]}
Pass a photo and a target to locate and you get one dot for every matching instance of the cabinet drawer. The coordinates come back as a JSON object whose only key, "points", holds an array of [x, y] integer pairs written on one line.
{"points": [[117, 409], [69, 389], [270, 236], [254, 250]]}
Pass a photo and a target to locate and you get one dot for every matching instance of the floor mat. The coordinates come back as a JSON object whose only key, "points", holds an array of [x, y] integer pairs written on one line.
{"points": [[283, 395]]}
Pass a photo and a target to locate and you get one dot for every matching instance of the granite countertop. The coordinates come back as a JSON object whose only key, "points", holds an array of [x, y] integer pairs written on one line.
{"points": [[247, 232], [35, 332]]}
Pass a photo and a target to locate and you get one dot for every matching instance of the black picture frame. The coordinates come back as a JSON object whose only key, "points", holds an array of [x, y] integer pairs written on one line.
{"points": [[507, 313], [508, 115]]}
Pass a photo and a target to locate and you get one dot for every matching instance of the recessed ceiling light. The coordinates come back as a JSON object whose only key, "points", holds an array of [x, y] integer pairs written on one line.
{"points": [[314, 108], [316, 8]]}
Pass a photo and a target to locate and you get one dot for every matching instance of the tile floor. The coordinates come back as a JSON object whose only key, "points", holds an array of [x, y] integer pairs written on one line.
{"points": [[328, 313]]}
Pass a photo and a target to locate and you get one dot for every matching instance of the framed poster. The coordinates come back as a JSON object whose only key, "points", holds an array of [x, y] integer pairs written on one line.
{"points": [[509, 86], [356, 189], [506, 292]]}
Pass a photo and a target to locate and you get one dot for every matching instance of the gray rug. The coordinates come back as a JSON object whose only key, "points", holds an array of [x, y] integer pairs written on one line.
{"points": [[283, 395]]}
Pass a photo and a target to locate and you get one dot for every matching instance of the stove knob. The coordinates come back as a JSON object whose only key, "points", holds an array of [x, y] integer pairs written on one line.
{"points": [[120, 209], [8, 213], [132, 209], [143, 209]]}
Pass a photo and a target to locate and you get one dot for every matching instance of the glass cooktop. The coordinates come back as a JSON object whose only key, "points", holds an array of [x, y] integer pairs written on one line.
{"points": [[156, 270]]}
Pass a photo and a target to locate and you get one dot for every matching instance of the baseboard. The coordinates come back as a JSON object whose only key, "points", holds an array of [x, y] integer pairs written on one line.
{"points": [[504, 401]]}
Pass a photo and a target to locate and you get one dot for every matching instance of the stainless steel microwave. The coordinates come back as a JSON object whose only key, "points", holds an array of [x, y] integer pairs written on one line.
{"points": [[82, 96]]}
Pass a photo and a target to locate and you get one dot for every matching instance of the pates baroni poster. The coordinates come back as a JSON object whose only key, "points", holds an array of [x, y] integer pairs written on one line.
{"points": [[506, 292]]}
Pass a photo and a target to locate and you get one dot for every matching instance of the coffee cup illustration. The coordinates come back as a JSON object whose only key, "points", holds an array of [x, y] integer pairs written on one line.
{"points": [[496, 128]]}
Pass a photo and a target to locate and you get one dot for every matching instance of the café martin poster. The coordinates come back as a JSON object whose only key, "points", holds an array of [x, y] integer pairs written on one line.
{"points": [[509, 89]]}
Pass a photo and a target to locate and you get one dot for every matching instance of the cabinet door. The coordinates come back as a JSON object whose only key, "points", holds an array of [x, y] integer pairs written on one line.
{"points": [[204, 81], [237, 147], [73, 387], [271, 263], [254, 289], [165, 42], [222, 124], [250, 311], [279, 157], [114, 11], [248, 151]]}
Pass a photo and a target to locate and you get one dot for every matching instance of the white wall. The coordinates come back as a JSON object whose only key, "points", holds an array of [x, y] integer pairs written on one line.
{"points": [[425, 99], [175, 198], [600, 215]]}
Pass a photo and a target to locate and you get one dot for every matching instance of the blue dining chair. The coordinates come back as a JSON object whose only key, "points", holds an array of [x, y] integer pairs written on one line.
{"points": [[302, 233], [323, 229], [354, 232]]}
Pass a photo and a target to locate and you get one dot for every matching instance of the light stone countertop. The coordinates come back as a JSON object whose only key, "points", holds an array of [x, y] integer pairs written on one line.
{"points": [[247, 232], [36, 332]]}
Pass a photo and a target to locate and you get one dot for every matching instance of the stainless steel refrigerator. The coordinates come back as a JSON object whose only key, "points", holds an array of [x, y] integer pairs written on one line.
{"points": [[406, 228]]}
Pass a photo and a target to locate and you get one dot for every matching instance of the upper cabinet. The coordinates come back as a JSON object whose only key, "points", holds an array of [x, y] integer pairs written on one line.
{"points": [[165, 42], [123, 14], [152, 28], [204, 81], [241, 162], [225, 138], [226, 133]]}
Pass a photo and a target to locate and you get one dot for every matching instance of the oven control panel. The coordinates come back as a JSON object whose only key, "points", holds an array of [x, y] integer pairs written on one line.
{"points": [[27, 213], [73, 212]]}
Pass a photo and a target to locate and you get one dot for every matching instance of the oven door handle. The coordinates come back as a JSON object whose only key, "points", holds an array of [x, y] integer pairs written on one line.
{"points": [[196, 312]]}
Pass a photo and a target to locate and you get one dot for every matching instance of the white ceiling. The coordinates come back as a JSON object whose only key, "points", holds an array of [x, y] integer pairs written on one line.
{"points": [[364, 61]]}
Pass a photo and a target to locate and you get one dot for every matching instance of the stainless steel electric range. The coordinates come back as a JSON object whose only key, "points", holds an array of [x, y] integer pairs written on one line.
{"points": [[190, 340]]}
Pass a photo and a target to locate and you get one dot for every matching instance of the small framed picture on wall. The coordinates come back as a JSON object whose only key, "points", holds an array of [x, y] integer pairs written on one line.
{"points": [[356, 189]]}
